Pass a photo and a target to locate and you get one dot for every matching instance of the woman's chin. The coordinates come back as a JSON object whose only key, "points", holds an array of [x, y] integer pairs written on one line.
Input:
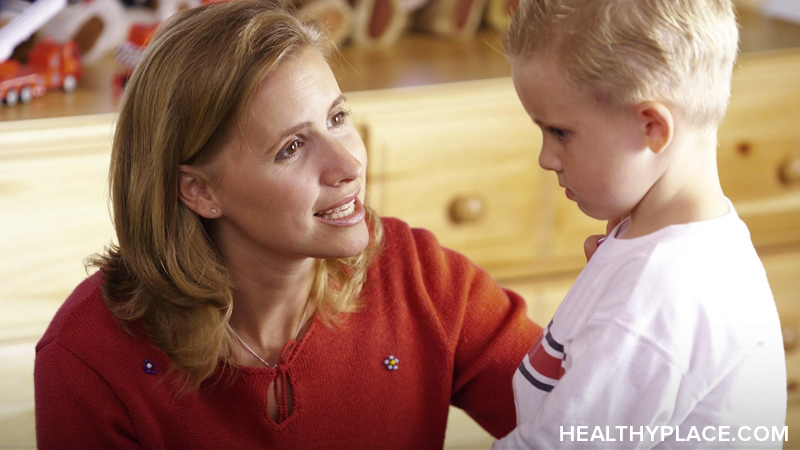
{"points": [[350, 242]]}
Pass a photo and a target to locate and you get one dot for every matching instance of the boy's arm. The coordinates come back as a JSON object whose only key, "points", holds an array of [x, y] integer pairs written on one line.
{"points": [[621, 380]]}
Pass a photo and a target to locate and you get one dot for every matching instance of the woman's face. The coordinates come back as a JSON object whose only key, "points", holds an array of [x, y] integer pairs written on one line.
{"points": [[291, 177]]}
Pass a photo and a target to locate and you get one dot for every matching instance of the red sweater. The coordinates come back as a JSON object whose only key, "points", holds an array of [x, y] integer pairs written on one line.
{"points": [[457, 335]]}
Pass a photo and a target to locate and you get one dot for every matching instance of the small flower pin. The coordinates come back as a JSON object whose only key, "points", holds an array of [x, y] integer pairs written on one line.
{"points": [[391, 362], [148, 367]]}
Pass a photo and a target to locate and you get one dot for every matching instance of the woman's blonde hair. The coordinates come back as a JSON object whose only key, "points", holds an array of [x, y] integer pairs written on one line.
{"points": [[192, 85], [627, 51]]}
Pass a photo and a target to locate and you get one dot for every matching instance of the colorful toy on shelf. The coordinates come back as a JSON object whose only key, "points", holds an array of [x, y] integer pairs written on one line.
{"points": [[788, 10], [500, 12], [335, 15], [97, 26], [129, 53], [379, 23], [458, 19], [50, 66], [24, 19]]}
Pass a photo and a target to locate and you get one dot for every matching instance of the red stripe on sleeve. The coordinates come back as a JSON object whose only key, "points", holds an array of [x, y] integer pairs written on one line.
{"points": [[544, 363]]}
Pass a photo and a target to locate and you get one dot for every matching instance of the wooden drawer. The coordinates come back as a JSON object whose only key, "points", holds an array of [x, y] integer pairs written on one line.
{"points": [[783, 270], [759, 152], [465, 168]]}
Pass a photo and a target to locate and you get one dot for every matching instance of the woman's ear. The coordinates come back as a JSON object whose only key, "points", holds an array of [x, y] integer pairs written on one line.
{"points": [[195, 191], [659, 124]]}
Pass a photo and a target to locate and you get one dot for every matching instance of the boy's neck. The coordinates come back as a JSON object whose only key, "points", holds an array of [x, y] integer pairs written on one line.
{"points": [[687, 191]]}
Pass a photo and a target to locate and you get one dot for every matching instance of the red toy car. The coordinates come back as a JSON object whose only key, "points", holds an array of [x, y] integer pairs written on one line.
{"points": [[130, 52], [50, 66]]}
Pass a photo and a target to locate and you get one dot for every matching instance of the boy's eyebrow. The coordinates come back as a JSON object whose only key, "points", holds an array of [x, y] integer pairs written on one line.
{"points": [[543, 124]]}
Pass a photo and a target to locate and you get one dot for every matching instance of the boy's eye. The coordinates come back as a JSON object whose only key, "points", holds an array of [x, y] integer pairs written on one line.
{"points": [[558, 132]]}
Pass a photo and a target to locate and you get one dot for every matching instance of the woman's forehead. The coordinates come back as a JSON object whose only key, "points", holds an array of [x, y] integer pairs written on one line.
{"points": [[301, 90], [301, 84]]}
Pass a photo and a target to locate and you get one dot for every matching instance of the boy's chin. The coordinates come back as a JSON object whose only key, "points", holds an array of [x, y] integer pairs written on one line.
{"points": [[596, 213], [591, 212]]}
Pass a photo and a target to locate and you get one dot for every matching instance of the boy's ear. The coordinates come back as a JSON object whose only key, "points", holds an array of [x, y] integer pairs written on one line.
{"points": [[195, 191], [659, 125]]}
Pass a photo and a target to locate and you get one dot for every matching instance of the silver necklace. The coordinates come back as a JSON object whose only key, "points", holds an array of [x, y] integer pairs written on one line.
{"points": [[296, 333]]}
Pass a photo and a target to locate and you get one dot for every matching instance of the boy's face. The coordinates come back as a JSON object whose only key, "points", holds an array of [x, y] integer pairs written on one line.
{"points": [[600, 156]]}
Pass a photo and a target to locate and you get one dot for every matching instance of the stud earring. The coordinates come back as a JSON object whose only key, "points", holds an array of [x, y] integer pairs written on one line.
{"points": [[213, 210]]}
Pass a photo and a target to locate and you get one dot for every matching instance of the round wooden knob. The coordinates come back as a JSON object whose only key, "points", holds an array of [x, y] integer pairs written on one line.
{"points": [[791, 386], [465, 209], [790, 171], [790, 338]]}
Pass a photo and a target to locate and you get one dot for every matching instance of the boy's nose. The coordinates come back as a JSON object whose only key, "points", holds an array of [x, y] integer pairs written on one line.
{"points": [[548, 160]]}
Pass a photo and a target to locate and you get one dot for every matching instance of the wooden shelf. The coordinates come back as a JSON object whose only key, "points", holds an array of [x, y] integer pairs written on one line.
{"points": [[416, 59]]}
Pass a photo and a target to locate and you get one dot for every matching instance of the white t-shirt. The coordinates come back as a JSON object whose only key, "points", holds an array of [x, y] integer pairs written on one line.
{"points": [[674, 329]]}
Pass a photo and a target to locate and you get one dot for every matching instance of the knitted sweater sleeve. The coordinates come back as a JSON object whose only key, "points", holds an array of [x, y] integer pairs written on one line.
{"points": [[486, 327], [75, 407]]}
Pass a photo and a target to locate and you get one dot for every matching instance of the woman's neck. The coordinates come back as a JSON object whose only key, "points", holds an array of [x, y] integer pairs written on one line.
{"points": [[270, 296]]}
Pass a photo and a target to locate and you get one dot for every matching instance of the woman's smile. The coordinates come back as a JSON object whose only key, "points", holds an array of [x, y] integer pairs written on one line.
{"points": [[349, 214]]}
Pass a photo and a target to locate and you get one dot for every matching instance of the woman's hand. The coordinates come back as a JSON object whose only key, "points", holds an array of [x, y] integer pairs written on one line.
{"points": [[592, 243]]}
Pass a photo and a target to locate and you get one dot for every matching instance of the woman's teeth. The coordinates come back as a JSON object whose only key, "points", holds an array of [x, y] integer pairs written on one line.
{"points": [[342, 211]]}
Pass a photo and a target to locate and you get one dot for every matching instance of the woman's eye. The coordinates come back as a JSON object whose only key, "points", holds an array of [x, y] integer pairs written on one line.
{"points": [[339, 118], [290, 151]]}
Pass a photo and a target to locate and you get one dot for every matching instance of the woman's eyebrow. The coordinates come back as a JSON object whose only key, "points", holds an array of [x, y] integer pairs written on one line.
{"points": [[292, 131], [340, 99]]}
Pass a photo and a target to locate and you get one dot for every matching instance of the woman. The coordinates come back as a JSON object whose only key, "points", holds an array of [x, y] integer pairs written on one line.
{"points": [[252, 300]]}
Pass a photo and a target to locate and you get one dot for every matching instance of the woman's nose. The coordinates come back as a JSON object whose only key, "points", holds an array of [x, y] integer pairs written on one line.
{"points": [[341, 165]]}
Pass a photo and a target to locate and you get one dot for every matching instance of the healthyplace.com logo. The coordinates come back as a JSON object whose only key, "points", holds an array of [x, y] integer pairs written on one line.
{"points": [[662, 433]]}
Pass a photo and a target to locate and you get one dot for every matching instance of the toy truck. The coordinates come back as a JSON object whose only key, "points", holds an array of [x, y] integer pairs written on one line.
{"points": [[50, 66], [130, 52]]}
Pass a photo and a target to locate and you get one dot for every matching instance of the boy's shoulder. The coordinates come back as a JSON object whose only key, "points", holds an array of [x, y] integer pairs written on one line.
{"points": [[699, 269], [699, 255], [702, 276]]}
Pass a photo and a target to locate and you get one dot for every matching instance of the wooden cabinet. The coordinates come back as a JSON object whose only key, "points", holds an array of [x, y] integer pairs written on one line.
{"points": [[53, 199], [759, 147], [460, 160]]}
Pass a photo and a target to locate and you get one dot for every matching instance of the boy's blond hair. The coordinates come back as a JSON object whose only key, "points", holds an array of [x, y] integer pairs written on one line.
{"points": [[627, 51]]}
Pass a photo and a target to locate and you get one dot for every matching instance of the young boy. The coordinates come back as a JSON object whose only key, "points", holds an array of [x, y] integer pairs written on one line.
{"points": [[670, 334]]}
